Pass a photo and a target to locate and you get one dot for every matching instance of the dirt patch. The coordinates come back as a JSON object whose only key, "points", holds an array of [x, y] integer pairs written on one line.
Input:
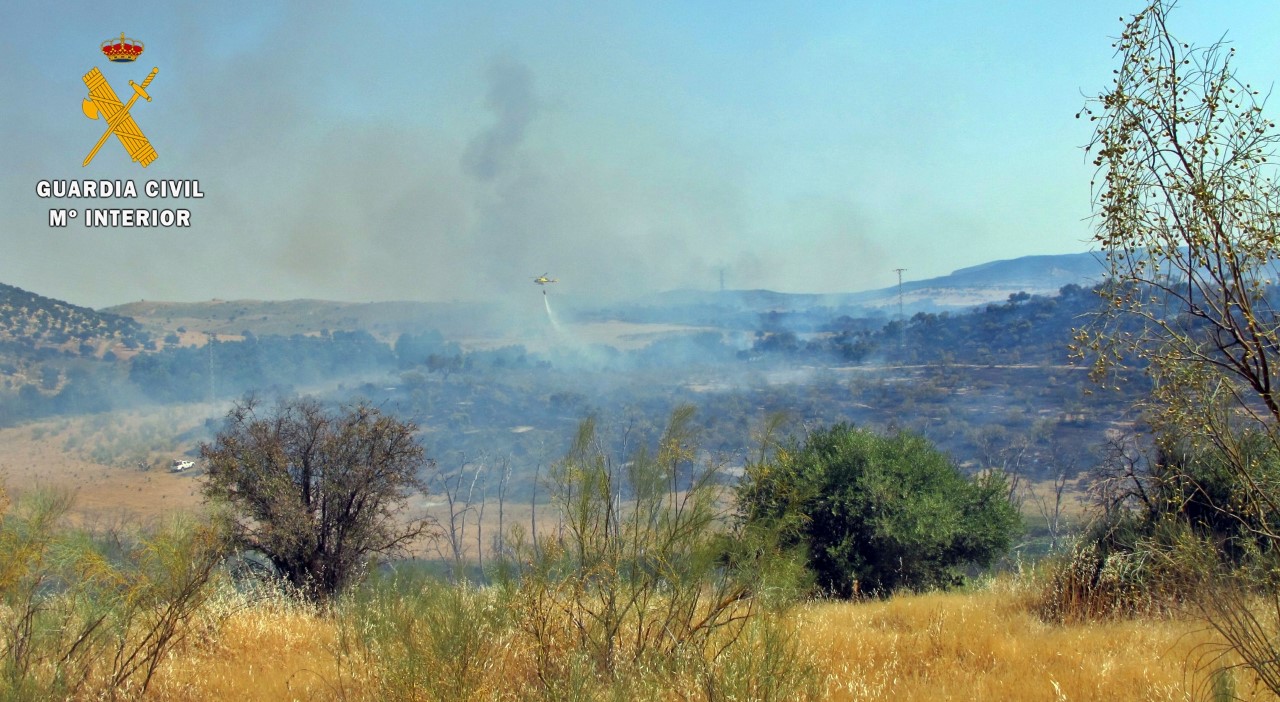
{"points": [[57, 454]]}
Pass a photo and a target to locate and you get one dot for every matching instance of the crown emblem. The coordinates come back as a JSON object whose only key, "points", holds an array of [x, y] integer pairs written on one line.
{"points": [[122, 50]]}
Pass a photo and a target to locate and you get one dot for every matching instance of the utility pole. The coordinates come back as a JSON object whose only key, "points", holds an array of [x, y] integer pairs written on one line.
{"points": [[209, 343], [902, 327], [899, 272]]}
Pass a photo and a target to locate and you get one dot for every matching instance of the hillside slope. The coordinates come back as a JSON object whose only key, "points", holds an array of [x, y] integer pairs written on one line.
{"points": [[36, 321], [963, 289]]}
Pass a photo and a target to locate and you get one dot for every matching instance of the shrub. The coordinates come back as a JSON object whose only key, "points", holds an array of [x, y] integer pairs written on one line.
{"points": [[648, 572], [1122, 567], [318, 492], [875, 514], [414, 638], [1166, 533], [80, 613]]}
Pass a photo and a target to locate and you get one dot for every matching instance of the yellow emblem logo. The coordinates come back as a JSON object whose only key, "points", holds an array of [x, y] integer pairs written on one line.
{"points": [[103, 102]]}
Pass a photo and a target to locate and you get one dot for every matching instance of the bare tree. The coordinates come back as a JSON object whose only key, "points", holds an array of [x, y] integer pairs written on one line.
{"points": [[1122, 478], [998, 451], [1051, 511], [1188, 208], [482, 475], [319, 492], [1188, 213], [455, 515], [460, 506], [504, 481]]}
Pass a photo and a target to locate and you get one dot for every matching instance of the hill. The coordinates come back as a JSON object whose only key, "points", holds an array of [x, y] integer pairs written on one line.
{"points": [[963, 289], [34, 321], [308, 317], [513, 320], [36, 331]]}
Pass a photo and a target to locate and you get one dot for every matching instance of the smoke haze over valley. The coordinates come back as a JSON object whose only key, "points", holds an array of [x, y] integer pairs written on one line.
{"points": [[439, 153], [989, 383]]}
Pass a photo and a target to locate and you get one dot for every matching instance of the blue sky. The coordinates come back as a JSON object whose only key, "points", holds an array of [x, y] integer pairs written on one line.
{"points": [[436, 151]]}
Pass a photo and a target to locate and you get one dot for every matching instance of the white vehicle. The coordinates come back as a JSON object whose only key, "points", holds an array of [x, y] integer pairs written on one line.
{"points": [[181, 464]]}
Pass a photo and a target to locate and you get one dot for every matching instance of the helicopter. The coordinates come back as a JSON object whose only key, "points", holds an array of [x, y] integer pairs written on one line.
{"points": [[543, 280]]}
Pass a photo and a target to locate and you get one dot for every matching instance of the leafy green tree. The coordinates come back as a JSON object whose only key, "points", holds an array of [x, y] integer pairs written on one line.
{"points": [[878, 513], [319, 492]]}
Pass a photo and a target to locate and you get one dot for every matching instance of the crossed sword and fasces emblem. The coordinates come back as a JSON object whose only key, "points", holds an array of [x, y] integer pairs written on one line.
{"points": [[102, 101]]}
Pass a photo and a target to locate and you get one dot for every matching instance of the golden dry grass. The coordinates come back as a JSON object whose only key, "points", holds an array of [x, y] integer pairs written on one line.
{"points": [[268, 650], [982, 645], [988, 645]]}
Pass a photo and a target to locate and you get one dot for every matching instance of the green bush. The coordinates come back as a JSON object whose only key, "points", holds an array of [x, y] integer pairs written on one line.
{"points": [[417, 638], [1168, 528], [878, 513]]}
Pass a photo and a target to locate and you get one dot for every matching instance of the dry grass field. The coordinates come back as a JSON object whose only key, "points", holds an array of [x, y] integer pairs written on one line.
{"points": [[477, 327], [981, 645], [268, 651], [989, 645], [97, 458]]}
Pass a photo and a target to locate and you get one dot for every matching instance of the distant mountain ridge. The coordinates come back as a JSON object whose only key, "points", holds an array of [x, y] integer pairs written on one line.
{"points": [[963, 288], [43, 339], [1040, 270], [989, 282]]}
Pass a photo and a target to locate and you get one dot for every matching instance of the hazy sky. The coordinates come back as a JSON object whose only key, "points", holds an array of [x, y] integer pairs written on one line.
{"points": [[436, 151]]}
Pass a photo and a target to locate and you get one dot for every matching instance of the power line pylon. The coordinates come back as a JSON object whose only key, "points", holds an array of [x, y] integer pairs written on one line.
{"points": [[899, 272]]}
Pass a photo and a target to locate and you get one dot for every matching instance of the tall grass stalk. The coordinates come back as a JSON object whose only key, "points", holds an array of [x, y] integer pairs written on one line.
{"points": [[79, 612]]}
